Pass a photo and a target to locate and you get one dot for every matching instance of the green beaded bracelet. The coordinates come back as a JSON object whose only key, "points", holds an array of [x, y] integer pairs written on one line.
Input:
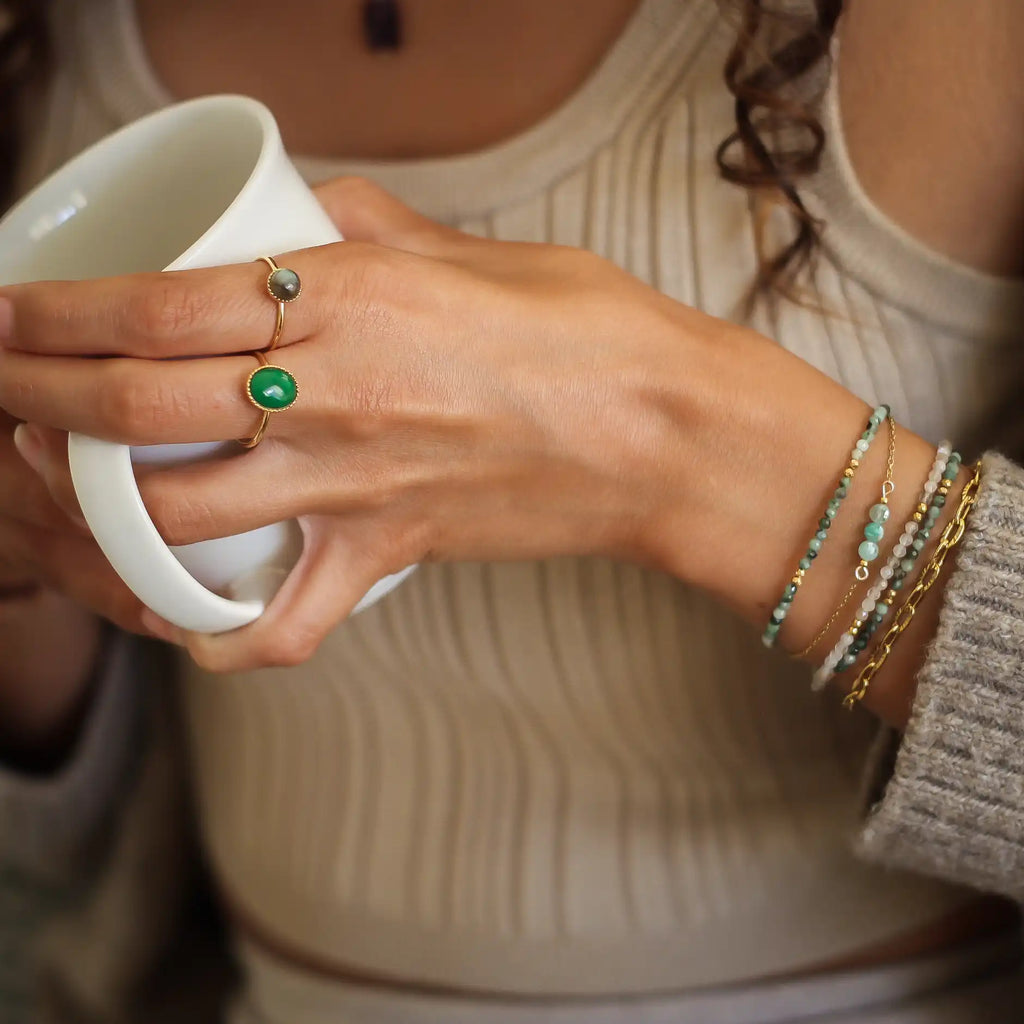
{"points": [[778, 615]]}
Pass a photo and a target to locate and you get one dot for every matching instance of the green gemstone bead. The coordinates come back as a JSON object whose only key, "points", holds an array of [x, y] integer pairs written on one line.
{"points": [[868, 550], [824, 523], [874, 531], [831, 513], [867, 435], [881, 608], [879, 513], [814, 545], [772, 628], [821, 535], [924, 534], [839, 494], [804, 563], [284, 285], [896, 583], [272, 388], [907, 564], [918, 544], [939, 500], [779, 614]]}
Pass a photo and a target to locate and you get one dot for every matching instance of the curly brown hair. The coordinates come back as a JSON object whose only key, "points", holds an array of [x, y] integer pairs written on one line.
{"points": [[777, 140]]}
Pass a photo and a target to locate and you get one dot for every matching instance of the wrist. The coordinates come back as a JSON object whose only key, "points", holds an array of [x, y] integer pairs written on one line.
{"points": [[764, 440]]}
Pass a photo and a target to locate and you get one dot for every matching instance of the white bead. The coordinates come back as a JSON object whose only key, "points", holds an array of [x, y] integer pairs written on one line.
{"points": [[913, 527], [899, 550], [945, 448], [931, 487], [886, 572], [906, 539], [856, 454], [861, 446]]}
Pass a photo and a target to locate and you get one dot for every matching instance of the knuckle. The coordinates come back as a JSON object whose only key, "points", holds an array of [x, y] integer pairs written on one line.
{"points": [[355, 188], [179, 519], [372, 399], [130, 408], [293, 647], [373, 275], [159, 313]]}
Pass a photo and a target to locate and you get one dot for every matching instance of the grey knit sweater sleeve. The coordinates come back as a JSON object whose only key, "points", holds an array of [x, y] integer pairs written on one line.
{"points": [[948, 799]]}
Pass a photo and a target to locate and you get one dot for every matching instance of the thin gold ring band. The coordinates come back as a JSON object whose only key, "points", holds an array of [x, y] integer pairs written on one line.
{"points": [[251, 442], [275, 391], [275, 272]]}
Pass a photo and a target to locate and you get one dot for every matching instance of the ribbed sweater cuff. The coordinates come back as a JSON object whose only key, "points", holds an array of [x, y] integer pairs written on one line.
{"points": [[953, 805], [48, 825]]}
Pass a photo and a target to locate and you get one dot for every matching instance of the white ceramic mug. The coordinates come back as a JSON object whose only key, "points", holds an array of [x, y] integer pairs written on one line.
{"points": [[198, 184]]}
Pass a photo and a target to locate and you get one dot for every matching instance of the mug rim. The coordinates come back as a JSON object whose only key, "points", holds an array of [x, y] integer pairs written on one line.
{"points": [[270, 144]]}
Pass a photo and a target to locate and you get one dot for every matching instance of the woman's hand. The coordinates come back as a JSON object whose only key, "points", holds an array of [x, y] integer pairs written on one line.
{"points": [[459, 399]]}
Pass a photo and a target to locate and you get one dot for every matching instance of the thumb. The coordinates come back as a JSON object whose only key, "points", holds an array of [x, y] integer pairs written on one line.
{"points": [[364, 212]]}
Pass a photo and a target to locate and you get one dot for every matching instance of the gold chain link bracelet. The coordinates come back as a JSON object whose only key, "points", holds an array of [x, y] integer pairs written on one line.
{"points": [[950, 538]]}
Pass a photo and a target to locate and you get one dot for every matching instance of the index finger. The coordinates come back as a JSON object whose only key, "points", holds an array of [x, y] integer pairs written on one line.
{"points": [[211, 311]]}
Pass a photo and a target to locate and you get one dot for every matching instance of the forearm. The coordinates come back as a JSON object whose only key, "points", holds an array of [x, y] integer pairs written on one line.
{"points": [[763, 447]]}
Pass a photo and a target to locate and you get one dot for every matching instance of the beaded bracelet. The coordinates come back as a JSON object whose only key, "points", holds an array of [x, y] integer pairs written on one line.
{"points": [[951, 536], [874, 531], [878, 514], [892, 574], [906, 553], [771, 630]]}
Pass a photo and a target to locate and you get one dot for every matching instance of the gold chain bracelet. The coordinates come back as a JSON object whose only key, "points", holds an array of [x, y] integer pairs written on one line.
{"points": [[950, 538]]}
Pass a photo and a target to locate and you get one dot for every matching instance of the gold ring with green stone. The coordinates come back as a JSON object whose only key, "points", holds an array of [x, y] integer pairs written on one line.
{"points": [[283, 285], [271, 389]]}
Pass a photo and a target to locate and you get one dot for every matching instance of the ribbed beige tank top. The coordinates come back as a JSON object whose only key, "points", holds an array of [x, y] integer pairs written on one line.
{"points": [[576, 776]]}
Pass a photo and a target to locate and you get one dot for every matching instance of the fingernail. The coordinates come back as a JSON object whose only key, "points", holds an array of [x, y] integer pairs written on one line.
{"points": [[6, 319], [30, 446], [161, 628]]}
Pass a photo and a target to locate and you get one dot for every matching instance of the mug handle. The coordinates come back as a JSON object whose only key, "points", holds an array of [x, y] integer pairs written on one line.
{"points": [[109, 496]]}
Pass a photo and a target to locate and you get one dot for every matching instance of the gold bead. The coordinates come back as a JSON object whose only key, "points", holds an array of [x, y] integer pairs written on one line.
{"points": [[917, 517], [855, 628], [890, 598], [922, 508], [848, 473], [796, 580], [863, 564], [854, 463]]}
